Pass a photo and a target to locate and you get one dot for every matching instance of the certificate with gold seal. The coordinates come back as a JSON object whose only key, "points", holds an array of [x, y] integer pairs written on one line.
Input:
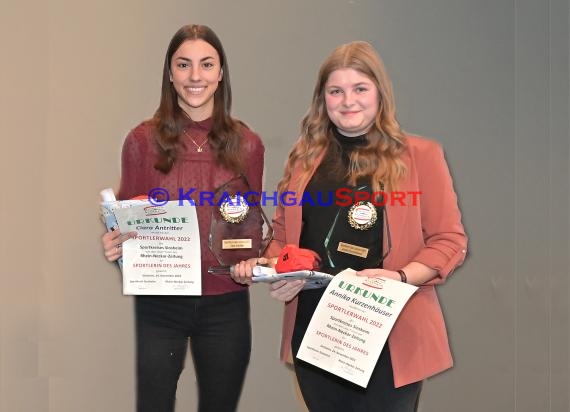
{"points": [[239, 229], [164, 258]]}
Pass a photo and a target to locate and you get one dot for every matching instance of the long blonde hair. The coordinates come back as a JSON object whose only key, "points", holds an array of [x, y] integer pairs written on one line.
{"points": [[379, 159]]}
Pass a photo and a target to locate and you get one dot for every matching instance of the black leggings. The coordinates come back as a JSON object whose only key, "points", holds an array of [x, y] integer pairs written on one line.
{"points": [[325, 392], [220, 341]]}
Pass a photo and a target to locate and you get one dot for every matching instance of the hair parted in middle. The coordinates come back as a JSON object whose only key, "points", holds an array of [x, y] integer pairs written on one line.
{"points": [[225, 136], [379, 158]]}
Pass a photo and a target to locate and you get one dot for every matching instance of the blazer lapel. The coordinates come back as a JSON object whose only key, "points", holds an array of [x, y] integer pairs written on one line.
{"points": [[397, 220], [294, 214]]}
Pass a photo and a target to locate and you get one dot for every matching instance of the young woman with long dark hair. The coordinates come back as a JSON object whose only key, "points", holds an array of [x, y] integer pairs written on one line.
{"points": [[191, 142]]}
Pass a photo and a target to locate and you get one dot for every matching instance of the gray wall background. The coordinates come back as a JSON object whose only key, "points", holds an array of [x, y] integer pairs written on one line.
{"points": [[489, 79]]}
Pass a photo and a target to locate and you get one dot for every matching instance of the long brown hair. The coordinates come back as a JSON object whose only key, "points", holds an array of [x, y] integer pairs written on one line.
{"points": [[225, 136], [379, 159]]}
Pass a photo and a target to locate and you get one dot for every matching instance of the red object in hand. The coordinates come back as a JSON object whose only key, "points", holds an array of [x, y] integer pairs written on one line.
{"points": [[293, 258]]}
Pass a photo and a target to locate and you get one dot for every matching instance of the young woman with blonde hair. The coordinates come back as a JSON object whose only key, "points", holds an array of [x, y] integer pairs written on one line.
{"points": [[350, 138]]}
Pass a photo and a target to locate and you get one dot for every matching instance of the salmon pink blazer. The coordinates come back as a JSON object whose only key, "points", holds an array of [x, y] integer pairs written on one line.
{"points": [[429, 232]]}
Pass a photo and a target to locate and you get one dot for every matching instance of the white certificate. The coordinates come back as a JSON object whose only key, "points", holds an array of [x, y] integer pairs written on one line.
{"points": [[164, 258], [351, 324]]}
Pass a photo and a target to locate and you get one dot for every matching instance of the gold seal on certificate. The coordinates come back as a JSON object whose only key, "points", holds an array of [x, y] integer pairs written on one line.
{"points": [[362, 215], [239, 229], [234, 209]]}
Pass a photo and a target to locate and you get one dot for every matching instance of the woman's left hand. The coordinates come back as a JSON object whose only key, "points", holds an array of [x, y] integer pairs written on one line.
{"points": [[415, 273], [243, 271], [376, 273]]}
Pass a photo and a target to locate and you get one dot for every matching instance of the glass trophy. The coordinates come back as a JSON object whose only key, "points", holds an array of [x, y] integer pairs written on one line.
{"points": [[352, 239], [239, 229]]}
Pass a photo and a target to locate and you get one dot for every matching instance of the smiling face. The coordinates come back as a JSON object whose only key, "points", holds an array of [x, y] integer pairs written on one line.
{"points": [[195, 72], [351, 99]]}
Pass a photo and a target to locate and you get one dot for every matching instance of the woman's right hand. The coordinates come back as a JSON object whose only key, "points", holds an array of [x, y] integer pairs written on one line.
{"points": [[286, 290], [113, 243]]}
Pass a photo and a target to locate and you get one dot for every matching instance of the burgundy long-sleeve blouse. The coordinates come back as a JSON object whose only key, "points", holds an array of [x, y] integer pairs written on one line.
{"points": [[191, 169]]}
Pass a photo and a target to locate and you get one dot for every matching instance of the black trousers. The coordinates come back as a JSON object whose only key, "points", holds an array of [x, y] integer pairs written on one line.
{"points": [[219, 329], [325, 392]]}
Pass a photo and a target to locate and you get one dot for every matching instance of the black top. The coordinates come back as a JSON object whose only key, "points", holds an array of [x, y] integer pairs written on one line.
{"points": [[320, 209], [318, 217]]}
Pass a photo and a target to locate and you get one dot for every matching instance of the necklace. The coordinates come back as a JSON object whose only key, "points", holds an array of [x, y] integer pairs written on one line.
{"points": [[199, 147]]}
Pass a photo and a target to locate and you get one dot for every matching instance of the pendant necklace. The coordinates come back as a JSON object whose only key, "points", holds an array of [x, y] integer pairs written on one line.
{"points": [[199, 147]]}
